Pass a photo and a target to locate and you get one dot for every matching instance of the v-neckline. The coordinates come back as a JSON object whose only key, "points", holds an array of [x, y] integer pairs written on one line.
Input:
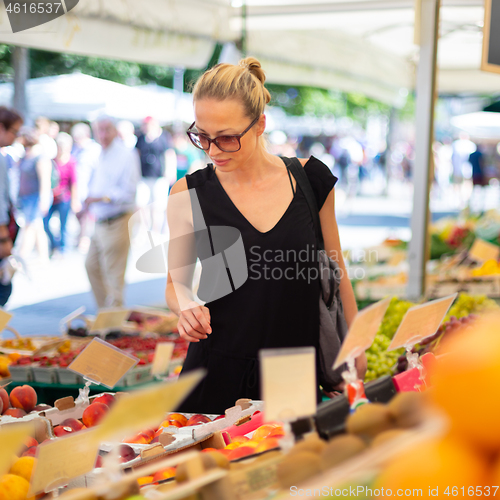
{"points": [[262, 233]]}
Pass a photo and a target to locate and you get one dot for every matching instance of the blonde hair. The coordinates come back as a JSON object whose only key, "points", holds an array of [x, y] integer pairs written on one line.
{"points": [[244, 82]]}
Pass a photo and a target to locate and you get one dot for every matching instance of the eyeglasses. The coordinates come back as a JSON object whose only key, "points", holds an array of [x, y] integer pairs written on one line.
{"points": [[226, 143]]}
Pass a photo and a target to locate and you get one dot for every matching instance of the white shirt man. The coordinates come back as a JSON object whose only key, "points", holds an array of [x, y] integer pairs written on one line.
{"points": [[111, 199]]}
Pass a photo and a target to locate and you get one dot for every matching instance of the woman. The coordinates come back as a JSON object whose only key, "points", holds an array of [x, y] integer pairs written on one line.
{"points": [[251, 190], [34, 195], [65, 194]]}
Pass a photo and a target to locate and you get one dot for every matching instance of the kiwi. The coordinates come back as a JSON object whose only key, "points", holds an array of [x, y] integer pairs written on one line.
{"points": [[298, 467], [387, 436], [311, 443], [340, 449], [406, 409], [369, 420]]}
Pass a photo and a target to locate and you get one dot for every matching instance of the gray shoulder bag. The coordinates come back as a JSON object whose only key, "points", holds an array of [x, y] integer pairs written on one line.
{"points": [[332, 323]]}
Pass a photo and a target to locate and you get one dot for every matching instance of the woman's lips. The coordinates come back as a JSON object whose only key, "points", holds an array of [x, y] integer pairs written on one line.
{"points": [[220, 163]]}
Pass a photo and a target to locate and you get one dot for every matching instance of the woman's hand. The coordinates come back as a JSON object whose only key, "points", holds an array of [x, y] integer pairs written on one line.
{"points": [[194, 322]]}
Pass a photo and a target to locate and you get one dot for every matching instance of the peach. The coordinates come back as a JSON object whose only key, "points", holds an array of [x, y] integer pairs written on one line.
{"points": [[163, 474], [232, 446], [197, 420], [15, 412], [61, 430], [240, 452], [75, 424], [30, 441], [5, 400], [107, 399], [251, 443], [42, 407], [144, 437], [174, 419], [94, 413], [268, 430], [23, 397], [207, 450], [267, 444]]}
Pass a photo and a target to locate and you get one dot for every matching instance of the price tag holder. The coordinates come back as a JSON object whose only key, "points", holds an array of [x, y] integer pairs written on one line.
{"points": [[5, 317], [109, 319], [12, 437], [102, 363], [141, 409], [362, 331], [288, 378], [421, 322], [162, 357], [60, 460], [482, 250]]}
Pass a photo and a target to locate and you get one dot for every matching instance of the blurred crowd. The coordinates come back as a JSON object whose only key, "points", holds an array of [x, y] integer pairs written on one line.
{"points": [[92, 177]]}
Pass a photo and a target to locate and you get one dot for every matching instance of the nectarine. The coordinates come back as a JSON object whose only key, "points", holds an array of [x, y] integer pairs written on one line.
{"points": [[23, 397], [94, 413], [240, 452], [197, 420], [60, 430]]}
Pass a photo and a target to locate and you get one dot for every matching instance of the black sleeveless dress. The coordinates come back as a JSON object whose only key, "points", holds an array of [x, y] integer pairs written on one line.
{"points": [[277, 306]]}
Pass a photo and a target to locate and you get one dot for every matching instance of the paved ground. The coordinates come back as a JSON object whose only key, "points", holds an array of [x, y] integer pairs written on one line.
{"points": [[52, 290]]}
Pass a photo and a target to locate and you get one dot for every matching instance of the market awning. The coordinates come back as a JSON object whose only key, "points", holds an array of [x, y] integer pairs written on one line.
{"points": [[171, 33]]}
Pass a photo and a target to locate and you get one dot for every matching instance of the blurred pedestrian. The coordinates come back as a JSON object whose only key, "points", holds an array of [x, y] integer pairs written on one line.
{"points": [[86, 152], [45, 132], [65, 194], [155, 154], [126, 132], [111, 198], [34, 197], [10, 123]]}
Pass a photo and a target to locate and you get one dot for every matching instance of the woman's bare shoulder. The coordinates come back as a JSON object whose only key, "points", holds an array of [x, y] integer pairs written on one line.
{"points": [[179, 186]]}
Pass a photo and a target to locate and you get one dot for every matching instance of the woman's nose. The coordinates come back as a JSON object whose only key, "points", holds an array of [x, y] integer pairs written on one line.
{"points": [[213, 149]]}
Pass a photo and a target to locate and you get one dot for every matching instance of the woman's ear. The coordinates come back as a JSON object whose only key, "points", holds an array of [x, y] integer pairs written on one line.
{"points": [[261, 124]]}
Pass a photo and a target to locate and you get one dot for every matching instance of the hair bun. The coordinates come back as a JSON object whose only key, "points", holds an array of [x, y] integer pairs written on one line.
{"points": [[253, 65]]}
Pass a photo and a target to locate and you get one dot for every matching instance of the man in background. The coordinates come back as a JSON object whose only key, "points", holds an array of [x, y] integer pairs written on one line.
{"points": [[10, 123], [86, 152], [111, 199]]}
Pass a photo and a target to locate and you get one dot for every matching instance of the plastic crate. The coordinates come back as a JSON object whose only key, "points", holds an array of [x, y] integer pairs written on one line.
{"points": [[45, 374], [67, 377], [21, 373], [135, 376]]}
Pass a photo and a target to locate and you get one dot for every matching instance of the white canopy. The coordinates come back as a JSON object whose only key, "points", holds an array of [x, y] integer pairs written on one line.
{"points": [[83, 97], [350, 45]]}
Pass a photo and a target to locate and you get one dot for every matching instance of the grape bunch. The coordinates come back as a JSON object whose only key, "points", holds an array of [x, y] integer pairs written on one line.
{"points": [[381, 362]]}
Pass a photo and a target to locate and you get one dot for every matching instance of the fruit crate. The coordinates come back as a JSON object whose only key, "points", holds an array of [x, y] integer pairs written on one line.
{"points": [[136, 376], [45, 374], [67, 377], [21, 373]]}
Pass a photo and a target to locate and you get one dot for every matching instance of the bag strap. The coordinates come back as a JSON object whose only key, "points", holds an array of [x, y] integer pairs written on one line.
{"points": [[294, 165]]}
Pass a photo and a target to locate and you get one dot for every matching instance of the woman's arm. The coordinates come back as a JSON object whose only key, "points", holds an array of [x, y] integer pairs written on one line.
{"points": [[194, 319]]}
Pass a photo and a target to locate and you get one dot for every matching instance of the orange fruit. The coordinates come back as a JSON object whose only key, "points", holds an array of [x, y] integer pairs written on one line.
{"points": [[13, 487], [23, 467], [465, 384], [435, 463], [145, 480]]}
